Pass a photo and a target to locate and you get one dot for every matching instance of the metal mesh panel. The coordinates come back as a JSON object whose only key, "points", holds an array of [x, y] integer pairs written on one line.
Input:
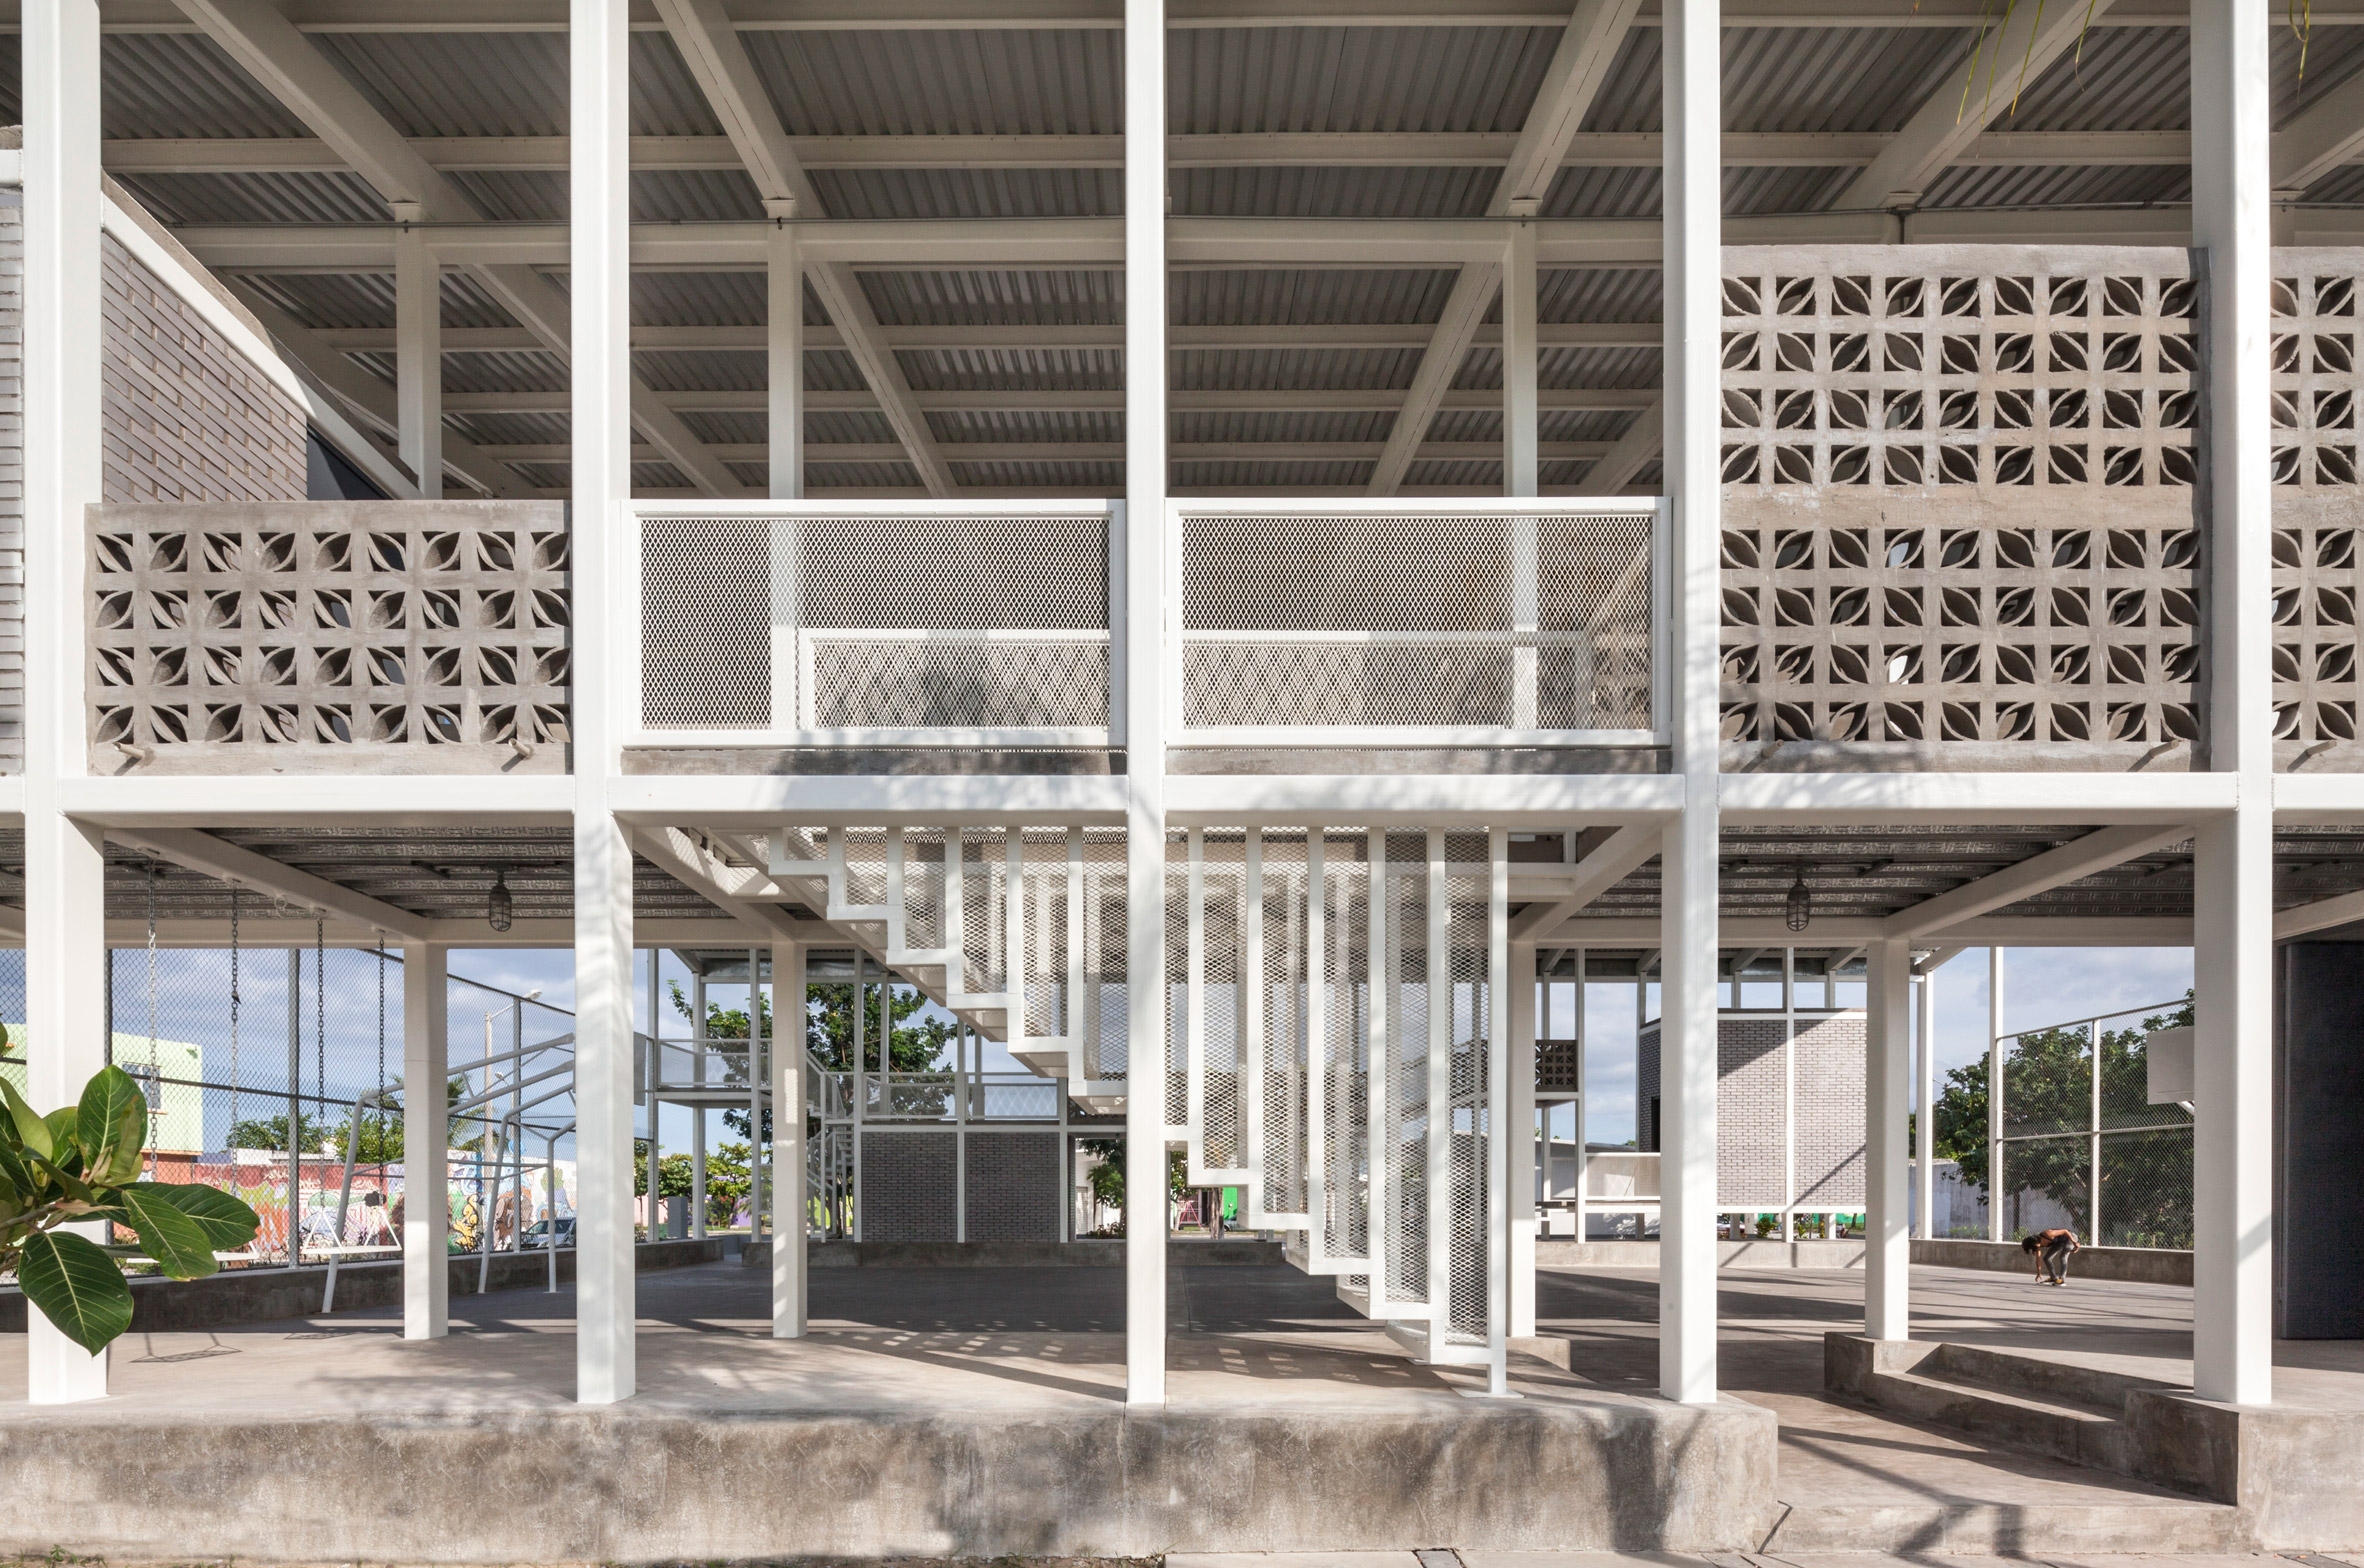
{"points": [[1220, 1033], [705, 623], [898, 622], [1448, 620], [1407, 1018], [919, 680], [1468, 1271]]}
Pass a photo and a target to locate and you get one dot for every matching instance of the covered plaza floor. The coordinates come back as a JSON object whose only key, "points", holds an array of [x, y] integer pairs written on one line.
{"points": [[1033, 1355]]}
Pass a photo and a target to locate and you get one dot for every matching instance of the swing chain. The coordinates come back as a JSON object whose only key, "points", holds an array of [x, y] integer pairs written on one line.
{"points": [[155, 1086], [232, 1141], [320, 1015]]}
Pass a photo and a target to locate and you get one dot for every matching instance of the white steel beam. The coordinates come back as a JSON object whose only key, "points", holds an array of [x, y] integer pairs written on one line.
{"points": [[1141, 677], [2325, 136], [1887, 1240], [1222, 150], [467, 16], [2321, 915], [1588, 46], [1521, 458], [1636, 448], [732, 889], [2096, 851], [418, 359], [2233, 854], [1625, 852], [262, 40], [784, 364], [1692, 65], [426, 1260], [374, 403], [2021, 47], [65, 864], [2002, 799], [789, 1196], [711, 47], [600, 292], [216, 857]]}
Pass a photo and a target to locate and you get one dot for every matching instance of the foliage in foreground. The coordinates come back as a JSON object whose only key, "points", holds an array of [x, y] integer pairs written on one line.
{"points": [[80, 1164]]}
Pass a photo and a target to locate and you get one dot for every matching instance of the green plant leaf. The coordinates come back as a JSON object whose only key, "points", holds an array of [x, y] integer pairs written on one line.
{"points": [[167, 1234], [31, 1130], [76, 1286], [65, 1145], [226, 1221], [111, 1125]]}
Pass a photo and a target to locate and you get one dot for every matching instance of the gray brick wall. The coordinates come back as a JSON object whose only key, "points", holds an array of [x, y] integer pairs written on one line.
{"points": [[1752, 1113], [1830, 1111], [1752, 1108], [909, 1185], [1013, 1186], [186, 419]]}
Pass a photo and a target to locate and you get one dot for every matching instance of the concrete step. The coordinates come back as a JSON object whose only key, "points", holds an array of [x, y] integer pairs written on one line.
{"points": [[2041, 1377], [2014, 1529], [2076, 1433]]}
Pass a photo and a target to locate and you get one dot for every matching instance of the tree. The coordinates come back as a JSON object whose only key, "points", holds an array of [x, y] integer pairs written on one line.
{"points": [[673, 1172], [1107, 1178], [916, 1046], [270, 1132], [82, 1163], [2146, 1178]]}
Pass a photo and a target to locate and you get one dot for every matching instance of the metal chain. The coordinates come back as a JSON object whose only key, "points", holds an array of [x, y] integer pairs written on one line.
{"points": [[381, 1101], [155, 1060], [232, 1141], [320, 1013]]}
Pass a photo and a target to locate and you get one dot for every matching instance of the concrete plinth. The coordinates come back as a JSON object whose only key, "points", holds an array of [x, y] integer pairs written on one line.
{"points": [[2124, 1265], [2283, 1477], [641, 1483], [1248, 1253]]}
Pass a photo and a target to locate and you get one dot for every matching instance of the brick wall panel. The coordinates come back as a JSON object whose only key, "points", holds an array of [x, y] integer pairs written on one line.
{"points": [[908, 1186], [1014, 1188]]}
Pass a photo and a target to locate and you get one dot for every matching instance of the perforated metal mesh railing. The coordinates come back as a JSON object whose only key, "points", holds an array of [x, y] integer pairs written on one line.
{"points": [[773, 621], [1482, 622], [1335, 1012]]}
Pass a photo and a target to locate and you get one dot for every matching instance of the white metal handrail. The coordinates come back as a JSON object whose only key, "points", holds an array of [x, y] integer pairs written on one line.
{"points": [[733, 611]]}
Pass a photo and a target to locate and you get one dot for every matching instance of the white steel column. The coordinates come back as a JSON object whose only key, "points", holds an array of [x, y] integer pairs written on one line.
{"points": [[1687, 1031], [418, 353], [785, 336], [1143, 617], [600, 293], [1994, 1094], [426, 1143], [1530, 1155], [1887, 1248], [1520, 464], [2232, 867], [790, 1205], [65, 890], [1924, 1114]]}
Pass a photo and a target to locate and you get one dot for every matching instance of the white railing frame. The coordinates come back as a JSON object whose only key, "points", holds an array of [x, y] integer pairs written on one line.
{"points": [[789, 640], [1183, 734]]}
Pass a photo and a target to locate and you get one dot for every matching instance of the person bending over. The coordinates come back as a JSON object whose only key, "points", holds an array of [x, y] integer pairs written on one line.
{"points": [[2050, 1249]]}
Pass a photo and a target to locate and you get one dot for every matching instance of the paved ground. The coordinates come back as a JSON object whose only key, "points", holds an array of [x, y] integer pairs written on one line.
{"points": [[1051, 1339]]}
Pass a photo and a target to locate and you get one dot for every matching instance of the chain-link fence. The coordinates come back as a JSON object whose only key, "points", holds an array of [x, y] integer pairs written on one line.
{"points": [[276, 1074], [2082, 1146]]}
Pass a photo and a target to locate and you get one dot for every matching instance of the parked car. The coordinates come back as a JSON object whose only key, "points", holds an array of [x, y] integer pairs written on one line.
{"points": [[538, 1233]]}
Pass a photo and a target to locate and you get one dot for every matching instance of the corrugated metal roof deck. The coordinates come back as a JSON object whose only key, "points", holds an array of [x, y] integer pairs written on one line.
{"points": [[1407, 82]]}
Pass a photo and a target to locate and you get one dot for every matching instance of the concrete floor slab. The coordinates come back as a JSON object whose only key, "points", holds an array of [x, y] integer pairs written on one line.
{"points": [[962, 1364]]}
